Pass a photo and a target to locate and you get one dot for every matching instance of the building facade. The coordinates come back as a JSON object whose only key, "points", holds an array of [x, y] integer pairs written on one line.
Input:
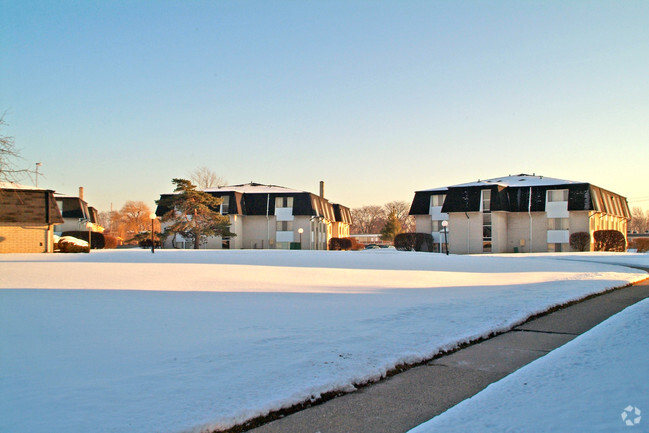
{"points": [[77, 215], [272, 217], [521, 213], [27, 219]]}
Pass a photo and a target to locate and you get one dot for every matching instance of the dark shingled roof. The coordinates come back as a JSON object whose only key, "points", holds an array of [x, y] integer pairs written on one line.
{"points": [[512, 194], [258, 199], [23, 205]]}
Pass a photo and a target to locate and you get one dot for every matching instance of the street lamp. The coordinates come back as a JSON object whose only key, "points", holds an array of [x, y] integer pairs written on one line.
{"points": [[153, 217], [89, 226], [445, 225], [300, 231], [38, 164]]}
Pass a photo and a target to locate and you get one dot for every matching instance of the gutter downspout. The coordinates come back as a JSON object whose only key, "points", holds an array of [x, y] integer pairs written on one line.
{"points": [[50, 227], [529, 212], [468, 233], [268, 220]]}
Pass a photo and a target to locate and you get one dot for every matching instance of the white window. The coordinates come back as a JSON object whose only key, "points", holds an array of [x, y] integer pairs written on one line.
{"points": [[486, 200], [558, 223], [557, 195], [437, 226], [437, 200], [284, 226], [225, 206], [486, 220], [283, 202], [557, 247]]}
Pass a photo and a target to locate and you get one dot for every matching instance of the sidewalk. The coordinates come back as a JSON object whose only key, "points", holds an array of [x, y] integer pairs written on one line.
{"points": [[401, 402]]}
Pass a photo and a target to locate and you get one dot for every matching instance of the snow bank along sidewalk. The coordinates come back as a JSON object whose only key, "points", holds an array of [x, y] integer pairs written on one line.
{"points": [[182, 340], [598, 382]]}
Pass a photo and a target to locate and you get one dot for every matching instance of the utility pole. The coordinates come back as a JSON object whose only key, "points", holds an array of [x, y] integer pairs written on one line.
{"points": [[38, 164]]}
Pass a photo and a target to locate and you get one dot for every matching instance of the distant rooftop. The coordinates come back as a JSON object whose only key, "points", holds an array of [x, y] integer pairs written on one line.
{"points": [[516, 180], [254, 188], [12, 185]]}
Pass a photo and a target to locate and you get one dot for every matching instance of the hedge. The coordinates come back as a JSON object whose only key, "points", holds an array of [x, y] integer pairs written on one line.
{"points": [[356, 245], [414, 241], [97, 239], [111, 242], [146, 243], [338, 244], [641, 244], [609, 240], [580, 241]]}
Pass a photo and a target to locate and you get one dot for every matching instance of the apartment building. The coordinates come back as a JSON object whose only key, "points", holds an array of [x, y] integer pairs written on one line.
{"points": [[273, 217], [519, 213]]}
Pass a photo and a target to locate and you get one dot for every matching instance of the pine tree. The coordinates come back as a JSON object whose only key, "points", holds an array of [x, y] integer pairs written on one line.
{"points": [[392, 227], [193, 213]]}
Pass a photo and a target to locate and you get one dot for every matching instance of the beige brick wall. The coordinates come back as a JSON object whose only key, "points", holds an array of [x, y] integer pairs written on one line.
{"points": [[25, 238]]}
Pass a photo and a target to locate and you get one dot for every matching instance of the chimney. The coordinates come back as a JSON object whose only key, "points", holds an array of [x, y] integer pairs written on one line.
{"points": [[322, 188], [81, 192]]}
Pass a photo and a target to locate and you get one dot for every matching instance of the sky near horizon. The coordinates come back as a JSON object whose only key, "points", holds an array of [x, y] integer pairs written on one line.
{"points": [[376, 98]]}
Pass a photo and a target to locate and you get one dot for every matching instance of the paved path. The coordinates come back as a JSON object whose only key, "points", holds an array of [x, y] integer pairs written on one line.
{"points": [[408, 399]]}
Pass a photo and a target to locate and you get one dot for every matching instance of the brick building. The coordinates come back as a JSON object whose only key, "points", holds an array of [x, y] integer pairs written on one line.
{"points": [[27, 218]]}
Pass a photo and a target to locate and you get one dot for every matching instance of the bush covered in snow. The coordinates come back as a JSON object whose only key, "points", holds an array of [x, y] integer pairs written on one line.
{"points": [[96, 239], [609, 240], [70, 244]]}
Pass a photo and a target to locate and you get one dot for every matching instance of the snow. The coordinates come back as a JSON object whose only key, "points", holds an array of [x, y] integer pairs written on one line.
{"points": [[71, 240], [181, 341], [595, 383], [12, 185], [255, 188], [518, 180], [521, 180]]}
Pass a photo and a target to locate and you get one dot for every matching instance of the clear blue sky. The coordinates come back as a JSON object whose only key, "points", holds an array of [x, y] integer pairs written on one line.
{"points": [[376, 98]]}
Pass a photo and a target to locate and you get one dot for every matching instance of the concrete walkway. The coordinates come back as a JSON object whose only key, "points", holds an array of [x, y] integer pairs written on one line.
{"points": [[408, 399]]}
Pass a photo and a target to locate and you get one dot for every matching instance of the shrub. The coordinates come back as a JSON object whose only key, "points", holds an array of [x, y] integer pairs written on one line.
{"points": [[338, 244], [609, 240], [642, 245], [356, 245], [580, 241], [97, 239], [111, 242], [146, 243], [414, 241]]}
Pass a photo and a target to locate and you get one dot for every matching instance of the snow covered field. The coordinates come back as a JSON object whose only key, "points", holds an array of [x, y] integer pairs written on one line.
{"points": [[177, 341]]}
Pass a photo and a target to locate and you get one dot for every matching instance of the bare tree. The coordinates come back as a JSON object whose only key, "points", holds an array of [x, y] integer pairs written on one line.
{"points": [[368, 219], [639, 220], [135, 216], [205, 178], [401, 210], [132, 219], [8, 154]]}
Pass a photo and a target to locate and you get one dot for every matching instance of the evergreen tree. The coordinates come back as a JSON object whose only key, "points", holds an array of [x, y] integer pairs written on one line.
{"points": [[194, 214], [392, 227]]}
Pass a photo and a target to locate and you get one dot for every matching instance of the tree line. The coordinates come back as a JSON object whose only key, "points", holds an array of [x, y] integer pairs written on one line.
{"points": [[639, 220], [388, 220]]}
